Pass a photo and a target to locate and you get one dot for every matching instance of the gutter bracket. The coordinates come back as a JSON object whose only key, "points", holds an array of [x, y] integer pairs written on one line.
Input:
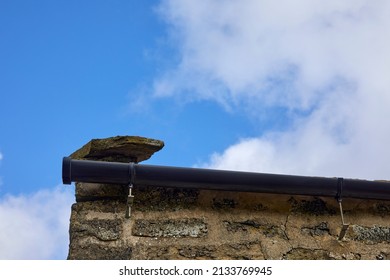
{"points": [[344, 228], [129, 203], [130, 197]]}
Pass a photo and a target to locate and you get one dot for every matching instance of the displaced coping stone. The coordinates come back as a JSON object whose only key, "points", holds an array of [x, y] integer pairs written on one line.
{"points": [[119, 149], [113, 149]]}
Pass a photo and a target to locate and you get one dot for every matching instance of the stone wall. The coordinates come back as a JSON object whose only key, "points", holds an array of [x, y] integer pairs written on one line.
{"points": [[168, 223]]}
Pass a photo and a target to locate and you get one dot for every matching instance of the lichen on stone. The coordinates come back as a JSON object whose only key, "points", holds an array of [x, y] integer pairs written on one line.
{"points": [[170, 228], [102, 229], [371, 235]]}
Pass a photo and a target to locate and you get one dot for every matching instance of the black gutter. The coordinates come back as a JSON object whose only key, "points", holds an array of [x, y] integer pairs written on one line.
{"points": [[179, 177]]}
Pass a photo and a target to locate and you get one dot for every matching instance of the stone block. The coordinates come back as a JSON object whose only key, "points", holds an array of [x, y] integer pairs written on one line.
{"points": [[170, 228], [97, 251], [307, 254], [119, 149], [102, 229], [371, 235], [91, 192], [164, 199]]}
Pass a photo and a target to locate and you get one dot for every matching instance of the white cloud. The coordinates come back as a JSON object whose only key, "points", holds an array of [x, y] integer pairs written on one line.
{"points": [[35, 226], [325, 62]]}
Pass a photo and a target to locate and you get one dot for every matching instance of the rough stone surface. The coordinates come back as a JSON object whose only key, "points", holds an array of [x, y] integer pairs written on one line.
{"points": [[371, 235], [164, 199], [170, 228], [274, 230], [102, 229], [382, 209], [307, 254], [318, 230], [96, 229], [91, 192], [312, 207], [119, 149], [234, 251], [96, 251], [174, 223], [268, 230]]}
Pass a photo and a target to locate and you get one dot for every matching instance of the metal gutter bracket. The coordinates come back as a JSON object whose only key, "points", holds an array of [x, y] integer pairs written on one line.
{"points": [[344, 228], [130, 197], [129, 203]]}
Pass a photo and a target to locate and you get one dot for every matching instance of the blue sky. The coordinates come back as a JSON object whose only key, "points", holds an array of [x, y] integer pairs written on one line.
{"points": [[265, 86]]}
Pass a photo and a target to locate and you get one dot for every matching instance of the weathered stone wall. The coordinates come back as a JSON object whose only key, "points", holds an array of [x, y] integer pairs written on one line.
{"points": [[169, 223]]}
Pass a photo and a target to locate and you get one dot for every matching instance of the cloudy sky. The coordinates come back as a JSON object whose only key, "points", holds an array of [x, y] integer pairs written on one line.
{"points": [[293, 87]]}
